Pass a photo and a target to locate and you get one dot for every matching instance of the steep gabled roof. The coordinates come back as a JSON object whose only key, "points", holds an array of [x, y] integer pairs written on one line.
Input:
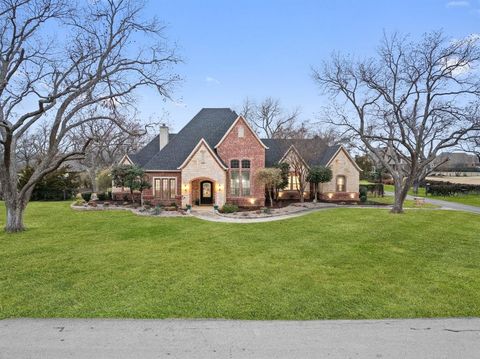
{"points": [[314, 151], [209, 124], [146, 153], [209, 149]]}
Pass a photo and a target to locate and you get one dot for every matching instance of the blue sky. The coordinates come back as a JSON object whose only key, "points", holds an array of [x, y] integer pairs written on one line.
{"points": [[235, 49]]}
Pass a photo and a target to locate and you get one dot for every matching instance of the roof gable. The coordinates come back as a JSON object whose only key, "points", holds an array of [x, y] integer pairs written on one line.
{"points": [[202, 143], [240, 118], [344, 150], [314, 151]]}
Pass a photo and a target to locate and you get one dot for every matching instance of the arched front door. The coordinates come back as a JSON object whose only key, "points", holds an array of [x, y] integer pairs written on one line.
{"points": [[206, 192]]}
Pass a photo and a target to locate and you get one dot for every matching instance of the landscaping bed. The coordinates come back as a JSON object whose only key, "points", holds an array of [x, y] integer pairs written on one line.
{"points": [[276, 211], [168, 211]]}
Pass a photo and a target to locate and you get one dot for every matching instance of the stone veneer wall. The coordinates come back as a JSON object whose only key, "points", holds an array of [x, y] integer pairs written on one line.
{"points": [[203, 165], [342, 165], [234, 147]]}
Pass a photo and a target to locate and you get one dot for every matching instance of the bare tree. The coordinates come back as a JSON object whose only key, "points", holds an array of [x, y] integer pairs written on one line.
{"points": [[268, 118], [414, 99], [472, 145], [108, 143], [300, 170], [90, 77]]}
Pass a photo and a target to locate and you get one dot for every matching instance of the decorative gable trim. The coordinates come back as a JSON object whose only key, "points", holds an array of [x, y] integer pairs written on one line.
{"points": [[248, 126], [125, 157], [342, 148], [195, 150], [293, 149]]}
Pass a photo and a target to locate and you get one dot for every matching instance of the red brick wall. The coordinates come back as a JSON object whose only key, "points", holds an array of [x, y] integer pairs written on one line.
{"points": [[148, 194], [244, 148]]}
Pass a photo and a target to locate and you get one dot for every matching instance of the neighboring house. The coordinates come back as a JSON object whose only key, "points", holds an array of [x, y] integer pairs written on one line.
{"points": [[214, 159], [457, 161]]}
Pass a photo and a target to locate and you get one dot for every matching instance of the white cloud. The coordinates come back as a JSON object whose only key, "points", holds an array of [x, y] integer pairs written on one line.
{"points": [[212, 80], [458, 3]]}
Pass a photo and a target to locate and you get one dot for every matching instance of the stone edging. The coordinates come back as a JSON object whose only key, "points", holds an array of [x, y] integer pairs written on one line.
{"points": [[133, 210]]}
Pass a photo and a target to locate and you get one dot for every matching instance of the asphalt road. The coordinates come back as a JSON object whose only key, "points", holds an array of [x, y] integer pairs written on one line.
{"points": [[98, 338]]}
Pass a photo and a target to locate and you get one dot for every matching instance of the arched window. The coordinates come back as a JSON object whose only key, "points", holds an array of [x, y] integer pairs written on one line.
{"points": [[245, 163], [234, 164], [341, 183]]}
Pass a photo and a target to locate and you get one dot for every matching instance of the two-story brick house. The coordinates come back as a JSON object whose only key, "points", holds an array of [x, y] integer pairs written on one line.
{"points": [[214, 159]]}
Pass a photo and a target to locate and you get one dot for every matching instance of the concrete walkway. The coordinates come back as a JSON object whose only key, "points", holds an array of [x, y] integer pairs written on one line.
{"points": [[98, 338], [208, 214]]}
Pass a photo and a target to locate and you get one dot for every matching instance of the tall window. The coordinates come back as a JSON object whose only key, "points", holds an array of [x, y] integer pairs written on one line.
{"points": [[292, 182], [165, 188], [235, 183], [341, 184], [245, 178], [240, 178]]}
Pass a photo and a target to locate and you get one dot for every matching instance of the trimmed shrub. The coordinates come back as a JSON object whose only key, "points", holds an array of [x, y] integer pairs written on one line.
{"points": [[375, 189], [86, 196], [229, 208]]}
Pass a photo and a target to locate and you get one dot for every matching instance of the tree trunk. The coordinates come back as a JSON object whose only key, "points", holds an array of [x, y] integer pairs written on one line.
{"points": [[300, 191], [401, 191], [270, 197], [14, 218], [316, 190], [92, 173]]}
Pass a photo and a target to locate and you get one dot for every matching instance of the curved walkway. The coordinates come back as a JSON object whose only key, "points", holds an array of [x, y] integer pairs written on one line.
{"points": [[209, 215]]}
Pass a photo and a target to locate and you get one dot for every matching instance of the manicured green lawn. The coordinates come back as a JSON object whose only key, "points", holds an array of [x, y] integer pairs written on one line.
{"points": [[341, 263]]}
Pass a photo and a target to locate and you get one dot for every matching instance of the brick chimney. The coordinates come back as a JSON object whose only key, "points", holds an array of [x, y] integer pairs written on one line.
{"points": [[163, 136]]}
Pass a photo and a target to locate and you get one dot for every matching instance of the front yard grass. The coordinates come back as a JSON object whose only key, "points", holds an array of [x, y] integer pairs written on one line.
{"points": [[340, 263]]}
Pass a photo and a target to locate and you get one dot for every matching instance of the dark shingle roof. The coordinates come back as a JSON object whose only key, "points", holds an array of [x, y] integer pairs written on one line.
{"points": [[314, 151], [210, 124], [146, 153]]}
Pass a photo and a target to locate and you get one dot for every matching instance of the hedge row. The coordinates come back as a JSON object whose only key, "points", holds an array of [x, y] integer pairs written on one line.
{"points": [[450, 189]]}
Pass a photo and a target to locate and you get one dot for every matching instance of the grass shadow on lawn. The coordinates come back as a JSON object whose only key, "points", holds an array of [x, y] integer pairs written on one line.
{"points": [[340, 263]]}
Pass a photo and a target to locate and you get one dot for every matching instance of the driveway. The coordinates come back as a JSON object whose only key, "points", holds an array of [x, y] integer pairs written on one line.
{"points": [[98, 338], [446, 204]]}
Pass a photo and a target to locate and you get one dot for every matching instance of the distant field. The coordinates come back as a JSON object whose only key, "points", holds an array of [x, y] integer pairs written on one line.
{"points": [[463, 180]]}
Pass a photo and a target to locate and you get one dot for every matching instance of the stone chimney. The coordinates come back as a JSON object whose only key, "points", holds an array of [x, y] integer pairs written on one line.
{"points": [[163, 136]]}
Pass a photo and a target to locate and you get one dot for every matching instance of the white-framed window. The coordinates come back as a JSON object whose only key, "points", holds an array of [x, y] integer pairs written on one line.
{"points": [[165, 187]]}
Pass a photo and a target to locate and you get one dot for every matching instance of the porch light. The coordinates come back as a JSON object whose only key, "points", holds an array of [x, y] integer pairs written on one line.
{"points": [[185, 188], [330, 195], [219, 187], [352, 195], [252, 200]]}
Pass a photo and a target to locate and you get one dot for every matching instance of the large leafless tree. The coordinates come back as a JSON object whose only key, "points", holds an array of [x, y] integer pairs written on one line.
{"points": [[108, 143], [68, 67], [269, 119], [412, 101]]}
